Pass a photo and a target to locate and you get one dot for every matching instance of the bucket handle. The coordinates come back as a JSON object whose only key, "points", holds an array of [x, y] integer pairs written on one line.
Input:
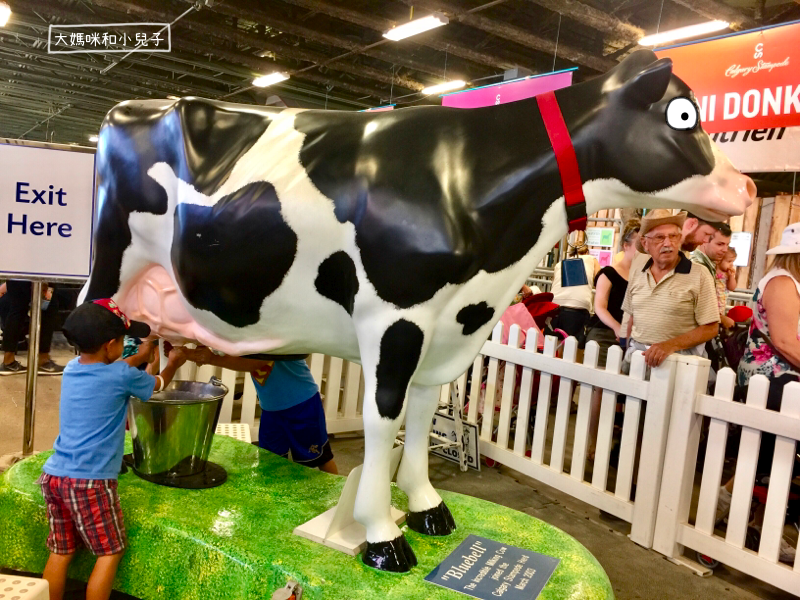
{"points": [[216, 381]]}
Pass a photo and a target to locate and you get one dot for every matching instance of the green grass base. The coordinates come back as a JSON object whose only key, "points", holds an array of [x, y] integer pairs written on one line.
{"points": [[235, 541]]}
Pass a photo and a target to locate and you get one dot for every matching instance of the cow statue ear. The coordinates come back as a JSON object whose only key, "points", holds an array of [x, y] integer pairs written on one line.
{"points": [[649, 85]]}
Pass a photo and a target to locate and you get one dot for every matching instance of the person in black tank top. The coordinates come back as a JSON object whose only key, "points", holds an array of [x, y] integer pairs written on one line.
{"points": [[610, 284], [616, 295]]}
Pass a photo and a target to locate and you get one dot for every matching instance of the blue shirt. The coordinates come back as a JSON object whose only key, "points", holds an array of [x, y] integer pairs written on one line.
{"points": [[92, 412], [288, 384]]}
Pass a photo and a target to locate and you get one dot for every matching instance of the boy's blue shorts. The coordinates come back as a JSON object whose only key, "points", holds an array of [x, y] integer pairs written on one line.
{"points": [[300, 429]]}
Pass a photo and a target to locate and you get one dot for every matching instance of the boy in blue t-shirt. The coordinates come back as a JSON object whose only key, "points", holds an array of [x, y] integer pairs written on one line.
{"points": [[292, 416], [79, 482]]}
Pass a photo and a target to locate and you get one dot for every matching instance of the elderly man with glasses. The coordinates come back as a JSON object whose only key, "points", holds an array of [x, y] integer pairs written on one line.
{"points": [[670, 305]]}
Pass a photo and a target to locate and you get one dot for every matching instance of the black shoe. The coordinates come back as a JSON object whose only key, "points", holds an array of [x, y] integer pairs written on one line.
{"points": [[12, 368], [50, 368]]}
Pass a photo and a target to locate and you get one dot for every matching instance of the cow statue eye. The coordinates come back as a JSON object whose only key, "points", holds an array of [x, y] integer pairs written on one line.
{"points": [[682, 114]]}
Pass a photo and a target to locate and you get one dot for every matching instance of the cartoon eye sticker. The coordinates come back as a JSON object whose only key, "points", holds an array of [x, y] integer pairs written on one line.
{"points": [[682, 114]]}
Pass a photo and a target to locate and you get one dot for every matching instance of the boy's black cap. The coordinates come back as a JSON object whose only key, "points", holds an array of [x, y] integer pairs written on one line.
{"points": [[94, 323]]}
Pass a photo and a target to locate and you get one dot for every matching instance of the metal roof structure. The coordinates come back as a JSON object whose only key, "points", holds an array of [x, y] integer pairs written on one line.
{"points": [[333, 50]]}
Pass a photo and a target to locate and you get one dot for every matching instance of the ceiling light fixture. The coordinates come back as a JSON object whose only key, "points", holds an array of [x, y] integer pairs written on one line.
{"points": [[267, 80], [683, 33], [444, 87], [92, 138], [171, 97], [416, 26], [5, 13]]}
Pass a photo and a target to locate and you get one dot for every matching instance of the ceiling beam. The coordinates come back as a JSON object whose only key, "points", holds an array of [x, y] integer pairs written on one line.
{"points": [[72, 64], [321, 37], [436, 42], [258, 64], [248, 39], [227, 34], [173, 64], [516, 34], [712, 9], [30, 92], [621, 32]]}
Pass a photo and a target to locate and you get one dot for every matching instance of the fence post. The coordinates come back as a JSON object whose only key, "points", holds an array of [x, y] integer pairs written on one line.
{"points": [[780, 480], [487, 427], [651, 457], [683, 439]]}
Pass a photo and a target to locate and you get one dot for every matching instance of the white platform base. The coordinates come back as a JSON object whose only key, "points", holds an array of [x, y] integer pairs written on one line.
{"points": [[351, 540], [336, 528]]}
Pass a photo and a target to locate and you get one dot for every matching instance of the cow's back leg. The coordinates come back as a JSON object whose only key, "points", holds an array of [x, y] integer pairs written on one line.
{"points": [[428, 514], [389, 362]]}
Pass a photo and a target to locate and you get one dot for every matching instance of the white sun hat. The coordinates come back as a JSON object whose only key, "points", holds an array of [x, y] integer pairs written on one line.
{"points": [[790, 241]]}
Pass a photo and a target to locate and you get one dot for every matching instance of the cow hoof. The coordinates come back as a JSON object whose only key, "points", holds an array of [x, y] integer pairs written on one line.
{"points": [[395, 556], [434, 521]]}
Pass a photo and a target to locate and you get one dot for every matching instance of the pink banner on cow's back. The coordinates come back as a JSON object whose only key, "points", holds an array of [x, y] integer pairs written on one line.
{"points": [[509, 91], [379, 108]]}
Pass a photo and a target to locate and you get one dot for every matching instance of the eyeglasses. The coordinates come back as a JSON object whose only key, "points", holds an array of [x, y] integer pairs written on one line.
{"points": [[660, 238]]}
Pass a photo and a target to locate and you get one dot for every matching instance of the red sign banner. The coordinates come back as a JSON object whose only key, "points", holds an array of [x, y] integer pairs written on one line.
{"points": [[743, 81]]}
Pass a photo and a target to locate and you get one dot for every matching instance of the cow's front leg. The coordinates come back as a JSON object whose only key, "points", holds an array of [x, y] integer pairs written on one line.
{"points": [[428, 514], [389, 364]]}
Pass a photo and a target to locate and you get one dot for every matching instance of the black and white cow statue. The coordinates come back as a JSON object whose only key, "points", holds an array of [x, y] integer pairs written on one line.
{"points": [[394, 239]]}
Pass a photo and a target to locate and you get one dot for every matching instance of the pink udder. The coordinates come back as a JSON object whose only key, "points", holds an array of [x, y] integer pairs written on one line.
{"points": [[153, 297]]}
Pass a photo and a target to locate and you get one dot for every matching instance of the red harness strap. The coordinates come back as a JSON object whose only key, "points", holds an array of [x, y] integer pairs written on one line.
{"points": [[566, 160]]}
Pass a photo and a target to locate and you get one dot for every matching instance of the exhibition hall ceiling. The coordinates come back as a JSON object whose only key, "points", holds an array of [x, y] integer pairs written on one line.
{"points": [[333, 50]]}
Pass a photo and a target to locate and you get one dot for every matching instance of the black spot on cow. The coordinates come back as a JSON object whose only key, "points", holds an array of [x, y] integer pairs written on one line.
{"points": [[474, 316], [229, 257], [401, 348], [216, 135], [337, 280], [445, 193], [200, 140]]}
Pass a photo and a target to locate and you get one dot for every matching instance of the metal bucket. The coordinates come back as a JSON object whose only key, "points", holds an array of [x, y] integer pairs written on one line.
{"points": [[172, 431]]}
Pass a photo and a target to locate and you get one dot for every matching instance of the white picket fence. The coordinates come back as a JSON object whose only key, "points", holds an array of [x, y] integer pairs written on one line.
{"points": [[498, 443], [674, 529]]}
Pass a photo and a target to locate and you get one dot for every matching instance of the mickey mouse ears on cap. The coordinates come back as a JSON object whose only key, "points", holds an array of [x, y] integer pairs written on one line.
{"points": [[790, 241], [133, 328], [96, 322]]}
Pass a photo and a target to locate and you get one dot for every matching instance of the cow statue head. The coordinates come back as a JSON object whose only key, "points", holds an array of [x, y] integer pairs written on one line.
{"points": [[644, 137]]}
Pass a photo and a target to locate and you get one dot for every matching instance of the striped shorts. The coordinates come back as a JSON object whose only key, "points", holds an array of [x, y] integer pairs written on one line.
{"points": [[83, 512]]}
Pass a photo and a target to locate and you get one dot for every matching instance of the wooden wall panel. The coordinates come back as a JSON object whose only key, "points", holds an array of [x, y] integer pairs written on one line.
{"points": [[749, 224], [780, 219], [794, 214], [761, 240]]}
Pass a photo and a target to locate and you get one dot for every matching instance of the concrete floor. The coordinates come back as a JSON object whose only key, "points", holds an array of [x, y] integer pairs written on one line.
{"points": [[635, 573]]}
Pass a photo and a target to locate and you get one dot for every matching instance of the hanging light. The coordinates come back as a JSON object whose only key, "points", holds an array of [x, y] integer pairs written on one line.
{"points": [[683, 33], [267, 80], [444, 87], [5, 13], [93, 138], [415, 27]]}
